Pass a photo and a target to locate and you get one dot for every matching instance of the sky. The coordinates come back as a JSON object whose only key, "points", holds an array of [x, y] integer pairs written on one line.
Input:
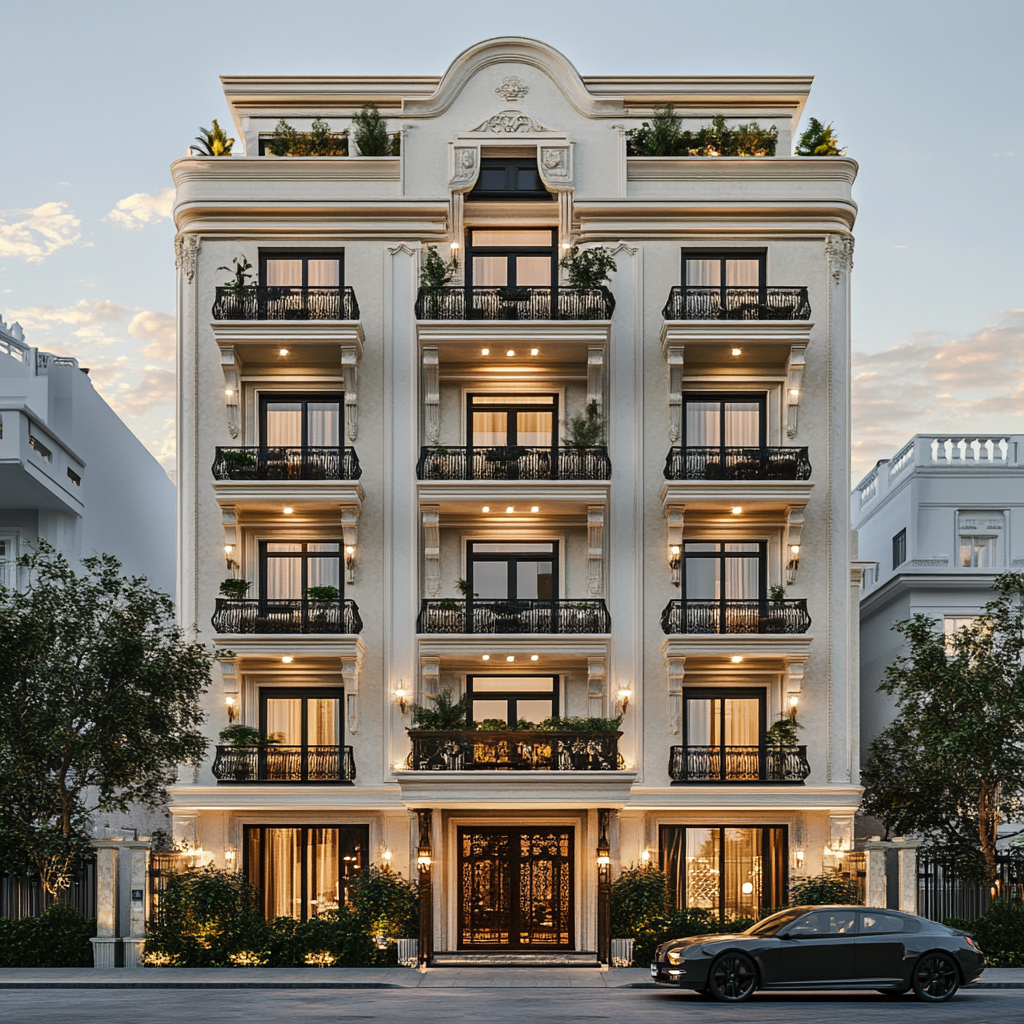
{"points": [[98, 98]]}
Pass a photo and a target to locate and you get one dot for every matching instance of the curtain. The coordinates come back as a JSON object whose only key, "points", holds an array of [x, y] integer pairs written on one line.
{"points": [[742, 871], [284, 575], [490, 271], [741, 717], [742, 273], [704, 273], [742, 424], [323, 721], [284, 424], [701, 722], [672, 861], [323, 424], [323, 273], [322, 871], [284, 720], [516, 239], [490, 429], [533, 271], [323, 572], [283, 873], [741, 574], [703, 424], [533, 429], [284, 273]]}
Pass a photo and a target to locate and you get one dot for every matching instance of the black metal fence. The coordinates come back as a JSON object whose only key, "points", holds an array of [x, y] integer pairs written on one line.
{"points": [[263, 463], [24, 896], [513, 462], [479, 615], [736, 303], [943, 892], [259, 302], [460, 751], [718, 463], [738, 764], [284, 764], [690, 615], [458, 303], [296, 615]]}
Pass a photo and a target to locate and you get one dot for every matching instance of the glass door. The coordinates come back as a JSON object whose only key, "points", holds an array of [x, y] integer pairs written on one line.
{"points": [[511, 258], [512, 699], [720, 283], [306, 729], [512, 437], [301, 436], [724, 586], [723, 734]]}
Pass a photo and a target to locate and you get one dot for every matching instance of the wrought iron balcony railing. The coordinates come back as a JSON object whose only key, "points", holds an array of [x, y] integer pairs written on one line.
{"points": [[513, 462], [480, 615], [736, 303], [293, 615], [719, 616], [286, 464], [277, 302], [460, 751], [718, 463], [738, 764], [457, 303], [284, 764]]}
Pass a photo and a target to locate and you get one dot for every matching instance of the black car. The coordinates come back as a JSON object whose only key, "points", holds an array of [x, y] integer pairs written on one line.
{"points": [[851, 948]]}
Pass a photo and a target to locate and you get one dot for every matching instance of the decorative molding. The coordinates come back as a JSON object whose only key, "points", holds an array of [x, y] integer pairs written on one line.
{"points": [[795, 677], [431, 516], [676, 674], [465, 167], [350, 681], [794, 531], [229, 365], [510, 122], [794, 386], [186, 254], [512, 89], [839, 253], [1017, 562], [595, 550], [595, 377], [597, 672], [430, 677], [675, 393], [350, 535], [675, 519], [431, 394], [350, 377], [555, 165], [932, 563], [402, 247]]}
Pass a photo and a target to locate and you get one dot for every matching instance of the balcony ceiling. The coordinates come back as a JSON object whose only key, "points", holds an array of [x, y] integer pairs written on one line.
{"points": [[269, 497], [559, 501], [556, 652], [510, 790], [761, 500]]}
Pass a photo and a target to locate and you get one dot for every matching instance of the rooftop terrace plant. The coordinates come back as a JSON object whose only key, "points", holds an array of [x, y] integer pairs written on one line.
{"points": [[819, 140], [663, 136], [370, 132], [318, 141], [215, 141]]}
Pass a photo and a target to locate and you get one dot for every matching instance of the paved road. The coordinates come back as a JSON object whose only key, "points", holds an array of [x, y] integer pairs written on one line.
{"points": [[492, 1005]]}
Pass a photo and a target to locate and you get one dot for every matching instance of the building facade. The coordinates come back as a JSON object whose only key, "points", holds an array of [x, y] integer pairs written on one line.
{"points": [[626, 502], [936, 524]]}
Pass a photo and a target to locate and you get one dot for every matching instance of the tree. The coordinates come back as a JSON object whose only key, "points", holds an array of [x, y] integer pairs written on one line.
{"points": [[101, 705], [818, 140], [951, 765]]}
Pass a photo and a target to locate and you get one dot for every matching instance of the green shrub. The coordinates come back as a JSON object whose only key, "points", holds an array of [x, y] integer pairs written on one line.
{"points": [[386, 903], [1000, 932], [819, 140], [822, 890], [58, 937], [662, 136], [639, 901], [586, 429], [235, 589], [446, 714], [318, 141], [681, 925], [588, 268], [435, 274], [562, 724], [370, 132]]}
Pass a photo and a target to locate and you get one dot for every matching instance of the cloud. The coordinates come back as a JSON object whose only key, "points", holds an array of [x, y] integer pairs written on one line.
{"points": [[935, 383], [133, 398], [84, 312], [158, 329], [140, 209], [39, 233]]}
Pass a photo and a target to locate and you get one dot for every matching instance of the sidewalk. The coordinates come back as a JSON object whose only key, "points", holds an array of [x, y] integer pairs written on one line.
{"points": [[368, 978]]}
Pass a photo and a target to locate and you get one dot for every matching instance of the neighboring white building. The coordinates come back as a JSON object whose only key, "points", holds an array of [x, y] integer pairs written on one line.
{"points": [[936, 523], [722, 368], [71, 472]]}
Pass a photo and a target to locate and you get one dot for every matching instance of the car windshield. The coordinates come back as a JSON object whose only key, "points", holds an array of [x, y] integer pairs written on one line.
{"points": [[772, 925]]}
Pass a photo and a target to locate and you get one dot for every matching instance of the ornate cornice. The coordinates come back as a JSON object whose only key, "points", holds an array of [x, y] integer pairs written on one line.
{"points": [[839, 253]]}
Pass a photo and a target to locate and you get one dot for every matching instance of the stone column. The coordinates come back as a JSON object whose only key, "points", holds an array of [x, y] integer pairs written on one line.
{"points": [[906, 854], [135, 859], [874, 888], [106, 947]]}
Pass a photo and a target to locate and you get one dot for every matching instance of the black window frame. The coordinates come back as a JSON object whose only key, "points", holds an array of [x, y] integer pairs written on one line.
{"points": [[305, 255], [303, 693], [304, 555], [899, 548], [723, 397], [727, 693], [344, 884], [511, 696], [762, 570], [511, 409], [509, 194], [511, 558], [304, 398], [761, 255], [511, 252]]}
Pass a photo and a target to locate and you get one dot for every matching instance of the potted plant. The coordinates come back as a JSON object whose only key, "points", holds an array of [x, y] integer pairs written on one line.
{"points": [[243, 741], [370, 133], [587, 429], [214, 142], [318, 141], [446, 715], [776, 619], [587, 271], [779, 739], [435, 276], [663, 136], [240, 465], [819, 140], [240, 285], [321, 600], [235, 589]]}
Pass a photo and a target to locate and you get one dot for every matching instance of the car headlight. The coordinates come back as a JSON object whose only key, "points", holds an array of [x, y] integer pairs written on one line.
{"points": [[675, 956]]}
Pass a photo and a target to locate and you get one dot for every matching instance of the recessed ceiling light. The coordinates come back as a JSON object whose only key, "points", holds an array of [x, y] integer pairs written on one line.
{"points": [[485, 351], [535, 508], [534, 657], [534, 351], [737, 510], [510, 509], [736, 659], [487, 508], [287, 659], [283, 352], [510, 352], [487, 657], [510, 657], [288, 510], [737, 351]]}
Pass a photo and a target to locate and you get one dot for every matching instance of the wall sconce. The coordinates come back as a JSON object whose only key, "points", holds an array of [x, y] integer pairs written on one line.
{"points": [[350, 564], [794, 703], [673, 563], [455, 253], [645, 856], [794, 558], [424, 857], [622, 702], [232, 707], [799, 855], [386, 858], [229, 858], [402, 697], [747, 888], [229, 556]]}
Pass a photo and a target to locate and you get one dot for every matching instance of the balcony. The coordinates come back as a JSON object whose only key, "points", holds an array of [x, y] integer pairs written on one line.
{"points": [[284, 764], [466, 751], [295, 615], [695, 463], [455, 303], [738, 764], [736, 303], [286, 464], [478, 615], [689, 616], [259, 302], [443, 462]]}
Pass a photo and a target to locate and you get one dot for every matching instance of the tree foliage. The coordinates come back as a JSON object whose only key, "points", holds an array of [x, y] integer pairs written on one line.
{"points": [[950, 767], [101, 704], [318, 141], [215, 141], [818, 140], [663, 136], [824, 890], [639, 901], [370, 131], [588, 268], [587, 429], [435, 274]]}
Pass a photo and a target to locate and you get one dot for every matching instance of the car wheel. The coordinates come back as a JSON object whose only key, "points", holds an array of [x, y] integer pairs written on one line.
{"points": [[936, 978], [732, 978]]}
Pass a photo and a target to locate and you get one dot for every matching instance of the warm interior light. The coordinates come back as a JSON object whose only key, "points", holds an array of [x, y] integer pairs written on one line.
{"points": [[487, 657], [535, 508], [736, 659], [534, 351], [485, 351], [566, 245], [510, 509], [423, 861], [487, 508], [398, 766], [229, 856], [287, 659], [510, 352], [283, 352], [400, 693], [288, 510], [747, 888], [795, 548], [454, 245], [230, 701], [737, 351], [799, 856], [534, 657], [510, 657], [737, 510]]}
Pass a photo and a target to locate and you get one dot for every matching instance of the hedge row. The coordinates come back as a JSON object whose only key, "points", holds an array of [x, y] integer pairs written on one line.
{"points": [[59, 937]]}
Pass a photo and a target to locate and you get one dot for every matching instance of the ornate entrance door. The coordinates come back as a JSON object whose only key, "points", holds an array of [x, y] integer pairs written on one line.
{"points": [[516, 889]]}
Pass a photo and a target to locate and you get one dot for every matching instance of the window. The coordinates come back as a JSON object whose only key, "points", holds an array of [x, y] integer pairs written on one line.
{"points": [[977, 551], [874, 922], [734, 872], [511, 258], [979, 536], [727, 727], [505, 178], [301, 421], [512, 699], [712, 271], [304, 871], [513, 571], [289, 568], [302, 270], [724, 421], [826, 922], [301, 718], [952, 624], [9, 562], [724, 571], [504, 420], [899, 548]]}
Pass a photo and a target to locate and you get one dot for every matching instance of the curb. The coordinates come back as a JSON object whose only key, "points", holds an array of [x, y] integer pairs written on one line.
{"points": [[197, 984]]}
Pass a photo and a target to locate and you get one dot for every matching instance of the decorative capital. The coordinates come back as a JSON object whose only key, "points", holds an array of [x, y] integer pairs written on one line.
{"points": [[839, 253], [186, 251], [512, 89]]}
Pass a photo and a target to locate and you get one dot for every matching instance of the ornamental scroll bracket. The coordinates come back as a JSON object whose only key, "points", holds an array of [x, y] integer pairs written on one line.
{"points": [[595, 549], [229, 365], [350, 377], [794, 386], [431, 394], [350, 681], [676, 674], [839, 253], [430, 516], [675, 393], [186, 254]]}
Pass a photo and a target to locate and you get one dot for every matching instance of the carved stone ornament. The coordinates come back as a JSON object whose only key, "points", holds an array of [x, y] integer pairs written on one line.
{"points": [[839, 253], [512, 89], [465, 164], [555, 163], [510, 122], [186, 250]]}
